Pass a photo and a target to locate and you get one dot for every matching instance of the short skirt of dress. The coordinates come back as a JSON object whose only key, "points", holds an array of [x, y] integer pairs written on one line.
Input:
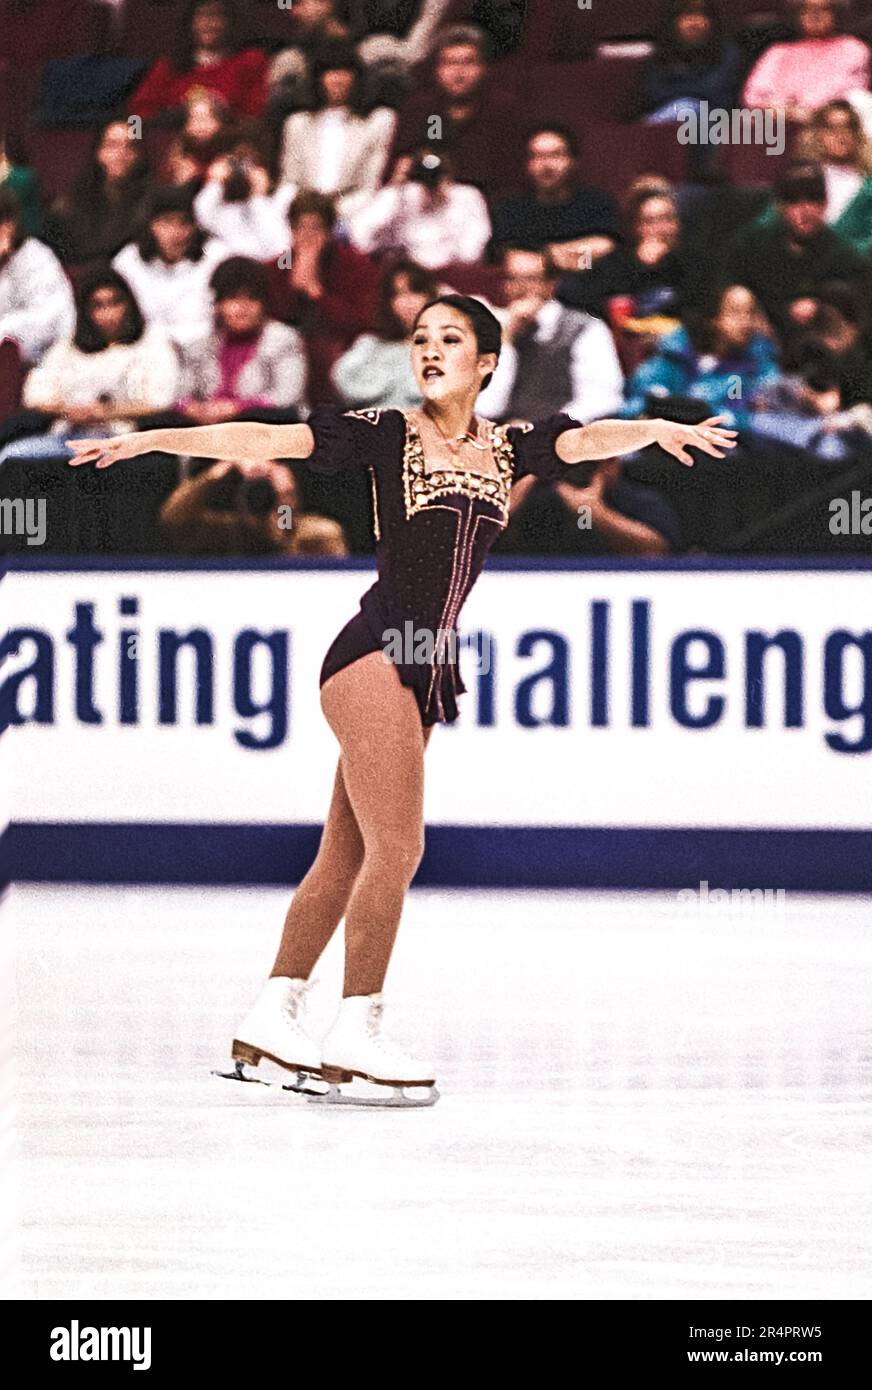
{"points": [[352, 641], [356, 639]]}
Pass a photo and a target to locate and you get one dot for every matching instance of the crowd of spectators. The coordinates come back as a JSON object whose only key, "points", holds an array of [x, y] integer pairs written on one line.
{"points": [[254, 229]]}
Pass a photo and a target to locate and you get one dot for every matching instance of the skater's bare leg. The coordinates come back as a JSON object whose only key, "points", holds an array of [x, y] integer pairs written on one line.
{"points": [[378, 725], [318, 905]]}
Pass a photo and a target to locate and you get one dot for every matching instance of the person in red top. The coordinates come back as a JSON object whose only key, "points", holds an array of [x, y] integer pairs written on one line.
{"points": [[211, 55], [329, 291]]}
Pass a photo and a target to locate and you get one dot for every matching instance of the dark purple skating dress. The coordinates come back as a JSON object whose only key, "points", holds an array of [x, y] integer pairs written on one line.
{"points": [[432, 531]]}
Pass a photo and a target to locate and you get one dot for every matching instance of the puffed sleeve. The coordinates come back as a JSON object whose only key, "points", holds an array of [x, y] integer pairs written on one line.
{"points": [[343, 438], [534, 447]]}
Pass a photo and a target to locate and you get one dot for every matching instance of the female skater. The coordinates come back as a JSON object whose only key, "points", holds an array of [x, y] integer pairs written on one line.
{"points": [[440, 479]]}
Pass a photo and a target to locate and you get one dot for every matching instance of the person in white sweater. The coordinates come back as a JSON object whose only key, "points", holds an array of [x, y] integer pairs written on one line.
{"points": [[425, 214], [36, 299], [169, 267], [101, 380], [336, 149], [241, 205]]}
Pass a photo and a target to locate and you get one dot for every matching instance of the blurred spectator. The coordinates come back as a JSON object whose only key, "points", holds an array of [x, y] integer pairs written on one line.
{"points": [[841, 329], [595, 510], [36, 299], [208, 132], [335, 148], [23, 182], [648, 275], [425, 214], [376, 370], [723, 358], [819, 65], [209, 53], [311, 25], [691, 63], [169, 267], [785, 263], [246, 507], [329, 291], [248, 361], [553, 358], [112, 371], [241, 204], [103, 209], [557, 211], [480, 124], [808, 410], [835, 138], [397, 37]]}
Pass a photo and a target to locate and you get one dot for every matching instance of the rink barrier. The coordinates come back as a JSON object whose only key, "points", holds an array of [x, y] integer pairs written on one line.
{"points": [[488, 856], [458, 856]]}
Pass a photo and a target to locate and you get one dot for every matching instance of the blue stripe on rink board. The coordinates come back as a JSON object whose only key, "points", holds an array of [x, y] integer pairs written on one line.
{"points": [[461, 856]]}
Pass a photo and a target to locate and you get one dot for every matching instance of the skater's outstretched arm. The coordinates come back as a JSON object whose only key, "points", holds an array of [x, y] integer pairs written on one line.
{"points": [[235, 440], [609, 438]]}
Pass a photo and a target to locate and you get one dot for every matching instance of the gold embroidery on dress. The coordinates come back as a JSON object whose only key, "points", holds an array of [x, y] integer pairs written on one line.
{"points": [[372, 416], [374, 503], [421, 487]]}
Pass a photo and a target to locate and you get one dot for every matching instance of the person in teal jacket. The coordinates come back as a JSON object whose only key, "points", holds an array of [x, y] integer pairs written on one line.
{"points": [[836, 140], [723, 360], [25, 186]]}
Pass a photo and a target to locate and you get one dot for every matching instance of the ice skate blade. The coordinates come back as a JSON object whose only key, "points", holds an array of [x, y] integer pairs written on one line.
{"points": [[338, 1074], [244, 1053], [397, 1100], [299, 1084]]}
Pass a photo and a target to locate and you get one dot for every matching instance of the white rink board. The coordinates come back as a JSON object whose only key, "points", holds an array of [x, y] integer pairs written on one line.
{"points": [[506, 772]]}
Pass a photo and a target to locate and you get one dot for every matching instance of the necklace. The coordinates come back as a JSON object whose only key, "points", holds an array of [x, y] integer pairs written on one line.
{"points": [[455, 441]]}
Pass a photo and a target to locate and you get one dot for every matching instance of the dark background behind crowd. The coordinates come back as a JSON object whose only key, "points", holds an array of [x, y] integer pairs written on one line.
{"points": [[218, 211]]}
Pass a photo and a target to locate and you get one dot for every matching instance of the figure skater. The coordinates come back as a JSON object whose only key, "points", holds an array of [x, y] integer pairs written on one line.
{"points": [[440, 478]]}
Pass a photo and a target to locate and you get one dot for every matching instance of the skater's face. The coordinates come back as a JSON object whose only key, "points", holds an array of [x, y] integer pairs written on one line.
{"points": [[445, 356]]}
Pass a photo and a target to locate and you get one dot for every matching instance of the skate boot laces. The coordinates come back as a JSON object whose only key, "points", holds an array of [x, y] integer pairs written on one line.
{"points": [[374, 1016], [296, 998]]}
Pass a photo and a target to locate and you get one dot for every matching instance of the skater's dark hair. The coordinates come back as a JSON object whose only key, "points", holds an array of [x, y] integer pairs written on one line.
{"points": [[485, 325]]}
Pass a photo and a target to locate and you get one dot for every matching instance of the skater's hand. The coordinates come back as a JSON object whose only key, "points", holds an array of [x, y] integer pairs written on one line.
{"points": [[709, 436], [105, 452]]}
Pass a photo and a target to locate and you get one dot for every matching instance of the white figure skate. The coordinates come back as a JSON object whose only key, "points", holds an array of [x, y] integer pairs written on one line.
{"points": [[356, 1047], [274, 1028]]}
